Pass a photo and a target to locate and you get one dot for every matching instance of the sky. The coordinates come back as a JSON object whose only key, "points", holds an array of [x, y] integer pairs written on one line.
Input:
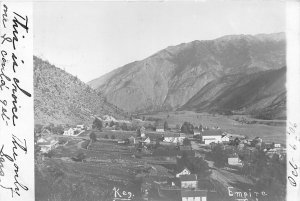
{"points": [[90, 39]]}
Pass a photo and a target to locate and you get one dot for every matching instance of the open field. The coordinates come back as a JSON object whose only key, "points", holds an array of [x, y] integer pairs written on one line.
{"points": [[266, 132], [106, 165], [118, 134]]}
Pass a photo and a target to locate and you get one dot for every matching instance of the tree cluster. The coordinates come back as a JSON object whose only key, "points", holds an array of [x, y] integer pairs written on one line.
{"points": [[97, 124], [166, 126], [187, 128], [219, 156], [79, 157], [270, 173], [186, 142], [138, 132], [196, 165], [93, 137]]}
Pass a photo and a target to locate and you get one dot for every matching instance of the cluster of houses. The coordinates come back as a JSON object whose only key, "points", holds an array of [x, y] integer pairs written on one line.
{"points": [[213, 136], [177, 138], [74, 131], [210, 137], [47, 143], [185, 186], [206, 136]]}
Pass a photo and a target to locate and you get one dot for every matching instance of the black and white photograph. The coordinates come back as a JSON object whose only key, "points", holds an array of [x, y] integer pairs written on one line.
{"points": [[161, 101]]}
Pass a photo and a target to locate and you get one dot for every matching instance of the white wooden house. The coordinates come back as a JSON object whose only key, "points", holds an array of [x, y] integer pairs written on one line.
{"points": [[213, 135], [47, 144], [69, 132], [234, 160], [143, 130], [193, 195], [225, 138], [160, 128], [170, 137], [173, 137], [147, 141], [189, 181], [185, 171], [197, 132], [277, 145]]}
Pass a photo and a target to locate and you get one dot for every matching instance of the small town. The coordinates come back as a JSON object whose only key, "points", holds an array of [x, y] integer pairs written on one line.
{"points": [[185, 162], [162, 101]]}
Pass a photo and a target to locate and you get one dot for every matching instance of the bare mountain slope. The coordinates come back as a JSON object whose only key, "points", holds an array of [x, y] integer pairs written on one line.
{"points": [[61, 98], [169, 78], [262, 94]]}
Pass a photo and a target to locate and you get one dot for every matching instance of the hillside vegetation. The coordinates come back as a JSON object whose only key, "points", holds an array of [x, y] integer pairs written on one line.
{"points": [[61, 98]]}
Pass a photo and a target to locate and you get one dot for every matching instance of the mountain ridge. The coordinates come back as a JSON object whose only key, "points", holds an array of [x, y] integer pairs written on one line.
{"points": [[251, 94], [167, 79]]}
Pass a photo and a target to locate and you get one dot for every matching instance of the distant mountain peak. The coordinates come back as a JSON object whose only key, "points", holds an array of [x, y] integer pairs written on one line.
{"points": [[171, 77]]}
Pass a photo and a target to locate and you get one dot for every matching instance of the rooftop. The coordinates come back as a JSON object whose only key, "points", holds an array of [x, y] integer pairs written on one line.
{"points": [[160, 127], [191, 177], [169, 134], [193, 193], [212, 132], [182, 168]]}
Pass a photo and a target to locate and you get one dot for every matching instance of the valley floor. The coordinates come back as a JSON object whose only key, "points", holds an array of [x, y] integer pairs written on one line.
{"points": [[270, 133], [108, 166]]}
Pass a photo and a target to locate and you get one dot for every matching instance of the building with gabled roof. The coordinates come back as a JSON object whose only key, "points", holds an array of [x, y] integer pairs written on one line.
{"points": [[225, 138], [173, 137], [189, 181], [160, 128], [277, 145], [147, 141], [47, 144], [213, 135], [80, 126], [69, 132], [184, 171], [197, 132], [234, 161], [132, 140], [193, 195]]}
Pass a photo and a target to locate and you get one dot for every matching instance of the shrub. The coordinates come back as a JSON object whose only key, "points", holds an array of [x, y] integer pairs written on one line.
{"points": [[186, 142], [93, 137], [97, 124], [187, 128]]}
